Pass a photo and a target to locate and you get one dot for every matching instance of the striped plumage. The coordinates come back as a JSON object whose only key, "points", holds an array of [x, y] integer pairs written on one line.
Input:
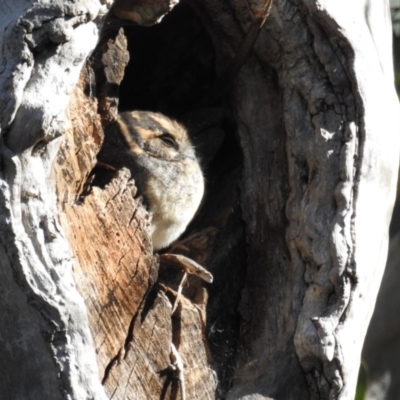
{"points": [[163, 163]]}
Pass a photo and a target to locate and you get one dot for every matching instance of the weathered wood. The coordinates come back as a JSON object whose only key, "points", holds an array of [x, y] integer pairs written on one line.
{"points": [[115, 269], [308, 143], [142, 12], [109, 62], [114, 265], [35, 84], [286, 232]]}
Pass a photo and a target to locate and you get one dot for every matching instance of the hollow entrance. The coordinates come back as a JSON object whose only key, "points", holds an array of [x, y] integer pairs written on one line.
{"points": [[171, 67], [172, 71]]}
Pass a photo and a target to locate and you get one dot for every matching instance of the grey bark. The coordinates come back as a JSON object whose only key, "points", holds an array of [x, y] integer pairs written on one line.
{"points": [[46, 346], [313, 280], [316, 114], [382, 344]]}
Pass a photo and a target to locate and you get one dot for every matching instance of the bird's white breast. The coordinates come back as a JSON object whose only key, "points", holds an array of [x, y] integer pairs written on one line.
{"points": [[174, 203]]}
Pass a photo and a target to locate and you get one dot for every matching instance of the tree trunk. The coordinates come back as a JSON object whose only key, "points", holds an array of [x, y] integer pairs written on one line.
{"points": [[380, 371], [294, 113], [382, 347]]}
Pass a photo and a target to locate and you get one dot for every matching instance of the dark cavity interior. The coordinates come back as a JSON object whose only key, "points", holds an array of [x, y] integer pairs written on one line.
{"points": [[172, 71], [172, 65]]}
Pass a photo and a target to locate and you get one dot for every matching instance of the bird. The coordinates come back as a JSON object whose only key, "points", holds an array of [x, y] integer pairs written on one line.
{"points": [[164, 165]]}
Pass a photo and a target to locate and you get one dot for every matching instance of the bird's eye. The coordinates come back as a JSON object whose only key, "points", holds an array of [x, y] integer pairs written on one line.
{"points": [[169, 140]]}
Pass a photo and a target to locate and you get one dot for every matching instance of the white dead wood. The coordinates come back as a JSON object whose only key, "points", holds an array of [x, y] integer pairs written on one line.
{"points": [[43, 48]]}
